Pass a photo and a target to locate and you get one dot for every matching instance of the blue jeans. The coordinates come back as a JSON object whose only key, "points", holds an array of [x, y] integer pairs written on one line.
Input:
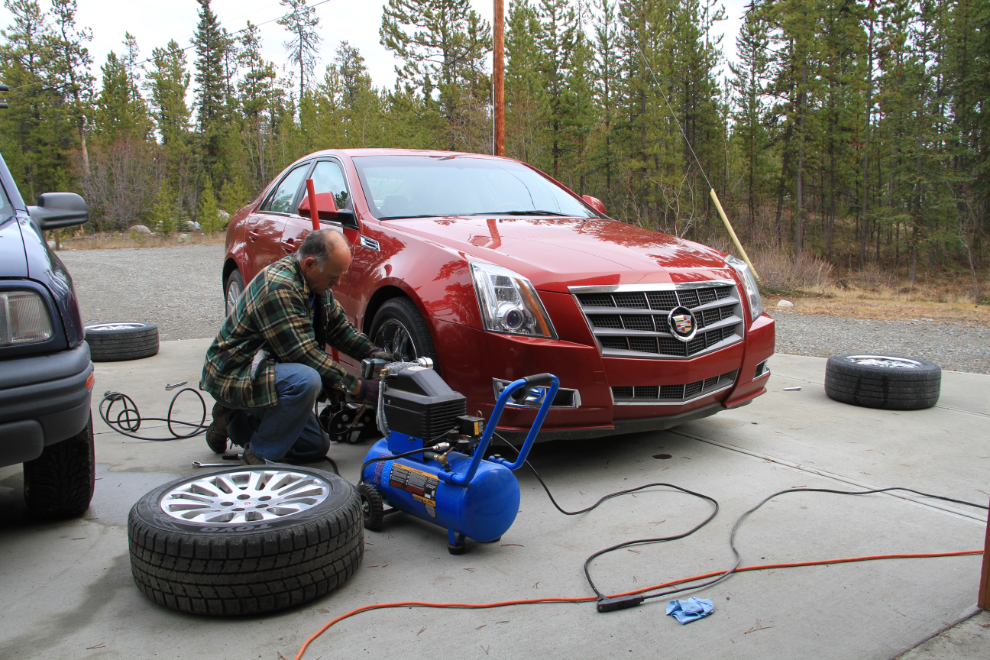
{"points": [[289, 430]]}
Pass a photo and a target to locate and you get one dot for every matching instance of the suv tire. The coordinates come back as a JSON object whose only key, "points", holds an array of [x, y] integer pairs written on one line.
{"points": [[260, 565], [60, 482], [883, 381], [129, 340]]}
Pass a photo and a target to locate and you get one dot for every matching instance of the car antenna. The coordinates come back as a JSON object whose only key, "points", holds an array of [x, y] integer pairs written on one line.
{"points": [[711, 188]]}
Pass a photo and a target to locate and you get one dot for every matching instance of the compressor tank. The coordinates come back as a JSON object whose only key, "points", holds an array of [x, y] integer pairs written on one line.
{"points": [[482, 510]]}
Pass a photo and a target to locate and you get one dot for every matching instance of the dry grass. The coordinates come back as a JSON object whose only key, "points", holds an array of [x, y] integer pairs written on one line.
{"points": [[864, 297], [873, 293], [134, 240]]}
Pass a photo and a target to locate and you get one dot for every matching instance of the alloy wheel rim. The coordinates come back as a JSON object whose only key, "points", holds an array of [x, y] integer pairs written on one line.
{"points": [[244, 496], [884, 361], [233, 294], [396, 339], [102, 327]]}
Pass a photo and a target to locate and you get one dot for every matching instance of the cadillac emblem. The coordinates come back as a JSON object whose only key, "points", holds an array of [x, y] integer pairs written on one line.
{"points": [[682, 323]]}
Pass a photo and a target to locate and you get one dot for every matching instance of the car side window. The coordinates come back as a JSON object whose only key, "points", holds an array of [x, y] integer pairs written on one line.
{"points": [[6, 209], [281, 200], [328, 177]]}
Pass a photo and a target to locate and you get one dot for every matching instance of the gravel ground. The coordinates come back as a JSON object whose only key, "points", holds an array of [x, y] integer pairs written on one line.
{"points": [[952, 346], [178, 288]]}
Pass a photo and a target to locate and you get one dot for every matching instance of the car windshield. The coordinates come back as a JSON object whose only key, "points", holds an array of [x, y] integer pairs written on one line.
{"points": [[428, 186]]}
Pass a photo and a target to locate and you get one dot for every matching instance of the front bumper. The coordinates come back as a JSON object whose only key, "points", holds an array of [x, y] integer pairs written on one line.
{"points": [[43, 400], [583, 369]]}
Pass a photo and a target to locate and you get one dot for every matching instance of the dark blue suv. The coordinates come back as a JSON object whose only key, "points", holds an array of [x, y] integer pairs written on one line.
{"points": [[46, 375]]}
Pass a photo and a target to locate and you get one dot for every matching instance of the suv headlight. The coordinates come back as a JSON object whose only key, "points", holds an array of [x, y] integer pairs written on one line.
{"points": [[509, 302], [23, 319], [749, 283]]}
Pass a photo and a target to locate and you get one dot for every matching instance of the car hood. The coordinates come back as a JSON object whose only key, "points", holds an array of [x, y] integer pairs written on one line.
{"points": [[555, 253], [13, 262]]}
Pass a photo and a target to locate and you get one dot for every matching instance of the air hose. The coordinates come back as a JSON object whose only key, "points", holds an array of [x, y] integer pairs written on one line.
{"points": [[128, 421]]}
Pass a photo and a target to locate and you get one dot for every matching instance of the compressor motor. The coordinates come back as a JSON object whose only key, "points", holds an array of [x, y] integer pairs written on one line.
{"points": [[431, 463]]}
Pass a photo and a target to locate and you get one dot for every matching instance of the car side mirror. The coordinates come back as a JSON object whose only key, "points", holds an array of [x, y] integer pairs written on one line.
{"points": [[58, 210], [594, 203], [326, 207]]}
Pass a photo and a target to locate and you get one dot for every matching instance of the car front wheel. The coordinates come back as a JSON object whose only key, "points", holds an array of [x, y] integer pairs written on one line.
{"points": [[399, 328]]}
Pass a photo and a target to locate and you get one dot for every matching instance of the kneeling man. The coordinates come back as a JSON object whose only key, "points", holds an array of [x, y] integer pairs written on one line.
{"points": [[267, 366]]}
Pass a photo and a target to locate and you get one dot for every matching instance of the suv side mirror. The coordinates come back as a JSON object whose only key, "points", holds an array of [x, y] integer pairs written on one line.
{"points": [[58, 210], [326, 207], [594, 203]]}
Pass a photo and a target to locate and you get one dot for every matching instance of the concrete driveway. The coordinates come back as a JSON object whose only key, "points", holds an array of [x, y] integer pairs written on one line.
{"points": [[67, 591]]}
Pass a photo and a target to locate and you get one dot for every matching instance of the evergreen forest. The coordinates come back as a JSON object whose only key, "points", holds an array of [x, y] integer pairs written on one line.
{"points": [[849, 132]]}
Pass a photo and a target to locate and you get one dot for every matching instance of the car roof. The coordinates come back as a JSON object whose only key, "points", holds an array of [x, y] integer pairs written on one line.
{"points": [[401, 152]]}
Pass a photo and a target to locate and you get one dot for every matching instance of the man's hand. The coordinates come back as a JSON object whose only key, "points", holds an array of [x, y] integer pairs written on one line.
{"points": [[381, 354], [366, 392]]}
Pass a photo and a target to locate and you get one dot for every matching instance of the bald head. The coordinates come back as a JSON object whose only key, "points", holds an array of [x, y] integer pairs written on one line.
{"points": [[324, 258]]}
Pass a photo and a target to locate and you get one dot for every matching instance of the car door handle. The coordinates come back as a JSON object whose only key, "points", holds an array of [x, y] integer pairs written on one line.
{"points": [[252, 235], [289, 245]]}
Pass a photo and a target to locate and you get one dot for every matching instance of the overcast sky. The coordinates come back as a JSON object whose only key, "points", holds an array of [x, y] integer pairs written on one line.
{"points": [[356, 21]]}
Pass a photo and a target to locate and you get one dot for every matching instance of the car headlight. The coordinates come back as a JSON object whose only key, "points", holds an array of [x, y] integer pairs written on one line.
{"points": [[23, 319], [749, 282], [509, 302]]}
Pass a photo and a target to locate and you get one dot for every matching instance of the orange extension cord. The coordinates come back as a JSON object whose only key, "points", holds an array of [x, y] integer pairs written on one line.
{"points": [[585, 599]]}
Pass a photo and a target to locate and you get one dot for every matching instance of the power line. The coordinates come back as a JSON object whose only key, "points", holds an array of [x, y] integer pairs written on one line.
{"points": [[673, 116]]}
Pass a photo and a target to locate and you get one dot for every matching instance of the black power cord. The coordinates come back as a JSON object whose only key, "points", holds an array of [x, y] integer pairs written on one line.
{"points": [[128, 421], [606, 604]]}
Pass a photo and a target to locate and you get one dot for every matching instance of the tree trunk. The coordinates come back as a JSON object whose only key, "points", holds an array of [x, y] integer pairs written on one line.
{"points": [[866, 148]]}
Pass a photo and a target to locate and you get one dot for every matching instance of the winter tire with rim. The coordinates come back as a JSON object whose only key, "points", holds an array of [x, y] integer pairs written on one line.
{"points": [[883, 381], [232, 291], [399, 328], [128, 340], [59, 483], [245, 540]]}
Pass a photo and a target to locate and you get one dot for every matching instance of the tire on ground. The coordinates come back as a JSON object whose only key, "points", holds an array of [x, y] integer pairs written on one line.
{"points": [[130, 340], [869, 380], [399, 328], [241, 568], [59, 483]]}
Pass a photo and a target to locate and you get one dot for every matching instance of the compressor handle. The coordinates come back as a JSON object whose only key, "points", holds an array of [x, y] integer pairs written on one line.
{"points": [[486, 437], [539, 379]]}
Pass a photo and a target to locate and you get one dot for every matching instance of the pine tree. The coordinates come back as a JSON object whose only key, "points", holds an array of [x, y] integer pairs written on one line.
{"points": [[207, 214], [750, 82], [443, 45], [303, 46], [162, 217], [211, 44]]}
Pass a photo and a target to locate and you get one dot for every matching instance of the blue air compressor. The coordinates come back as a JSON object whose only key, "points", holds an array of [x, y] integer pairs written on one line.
{"points": [[431, 461]]}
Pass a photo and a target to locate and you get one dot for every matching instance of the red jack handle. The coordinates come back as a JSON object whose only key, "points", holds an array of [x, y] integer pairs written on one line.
{"points": [[313, 211]]}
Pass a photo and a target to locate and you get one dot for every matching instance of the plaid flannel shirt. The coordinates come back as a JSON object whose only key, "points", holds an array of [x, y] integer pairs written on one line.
{"points": [[275, 314]]}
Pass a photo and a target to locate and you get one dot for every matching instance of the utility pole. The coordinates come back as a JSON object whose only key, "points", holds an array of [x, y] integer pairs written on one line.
{"points": [[499, 92]]}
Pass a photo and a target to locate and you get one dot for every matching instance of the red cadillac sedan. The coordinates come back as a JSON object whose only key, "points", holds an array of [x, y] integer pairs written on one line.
{"points": [[496, 271]]}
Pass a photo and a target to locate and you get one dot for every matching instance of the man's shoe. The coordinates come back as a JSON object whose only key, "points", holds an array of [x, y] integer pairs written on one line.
{"points": [[216, 434], [250, 458]]}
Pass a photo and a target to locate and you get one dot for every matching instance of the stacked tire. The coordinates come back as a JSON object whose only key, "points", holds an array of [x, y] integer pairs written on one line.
{"points": [[890, 382], [126, 340]]}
